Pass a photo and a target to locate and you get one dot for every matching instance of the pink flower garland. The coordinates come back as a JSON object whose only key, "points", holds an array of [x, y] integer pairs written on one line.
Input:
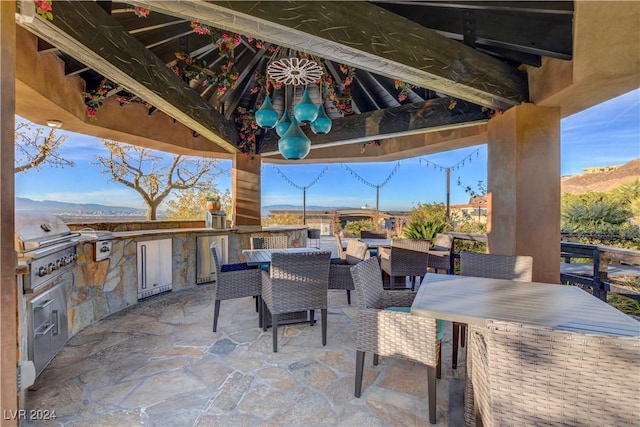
{"points": [[44, 9]]}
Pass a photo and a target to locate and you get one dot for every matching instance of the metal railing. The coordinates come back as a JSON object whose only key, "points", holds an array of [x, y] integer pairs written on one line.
{"points": [[599, 255]]}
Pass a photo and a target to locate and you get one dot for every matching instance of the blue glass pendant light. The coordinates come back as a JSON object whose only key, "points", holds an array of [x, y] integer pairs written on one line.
{"points": [[322, 124], [283, 123], [306, 111], [266, 116], [294, 145]]}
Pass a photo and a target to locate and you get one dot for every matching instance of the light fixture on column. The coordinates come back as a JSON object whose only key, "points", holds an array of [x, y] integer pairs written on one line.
{"points": [[55, 124], [293, 71]]}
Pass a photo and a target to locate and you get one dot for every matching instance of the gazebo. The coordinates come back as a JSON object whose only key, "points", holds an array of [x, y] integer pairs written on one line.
{"points": [[413, 77]]}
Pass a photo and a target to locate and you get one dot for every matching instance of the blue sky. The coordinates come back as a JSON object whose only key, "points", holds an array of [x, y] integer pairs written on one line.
{"points": [[606, 134]]}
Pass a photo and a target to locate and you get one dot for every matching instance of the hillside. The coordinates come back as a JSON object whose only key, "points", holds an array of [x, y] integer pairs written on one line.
{"points": [[604, 181], [55, 207]]}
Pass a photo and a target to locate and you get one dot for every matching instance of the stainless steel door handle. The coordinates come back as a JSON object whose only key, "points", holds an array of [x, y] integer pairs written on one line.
{"points": [[54, 322], [44, 304], [45, 331], [143, 266]]}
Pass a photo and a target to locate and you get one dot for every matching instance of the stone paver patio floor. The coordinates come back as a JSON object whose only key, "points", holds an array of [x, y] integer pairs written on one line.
{"points": [[159, 364]]}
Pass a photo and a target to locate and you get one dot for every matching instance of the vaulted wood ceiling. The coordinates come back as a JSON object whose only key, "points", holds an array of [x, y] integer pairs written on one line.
{"points": [[460, 58]]}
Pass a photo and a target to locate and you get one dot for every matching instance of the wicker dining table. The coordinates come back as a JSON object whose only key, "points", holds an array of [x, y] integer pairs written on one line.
{"points": [[372, 243], [263, 256], [474, 300]]}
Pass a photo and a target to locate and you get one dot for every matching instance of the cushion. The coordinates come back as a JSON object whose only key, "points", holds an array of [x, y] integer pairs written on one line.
{"points": [[401, 309], [356, 251], [440, 330], [235, 267], [443, 242]]}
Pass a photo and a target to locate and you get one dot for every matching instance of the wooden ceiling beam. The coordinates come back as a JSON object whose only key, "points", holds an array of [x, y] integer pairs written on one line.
{"points": [[233, 98], [85, 31], [393, 122], [398, 148], [523, 30], [367, 37]]}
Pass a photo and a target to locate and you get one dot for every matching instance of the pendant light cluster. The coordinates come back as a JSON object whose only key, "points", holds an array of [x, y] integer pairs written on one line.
{"points": [[293, 143]]}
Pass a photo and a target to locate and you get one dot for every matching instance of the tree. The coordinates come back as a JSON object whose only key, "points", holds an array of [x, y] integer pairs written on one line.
{"points": [[428, 212], [146, 172], [36, 146], [191, 203]]}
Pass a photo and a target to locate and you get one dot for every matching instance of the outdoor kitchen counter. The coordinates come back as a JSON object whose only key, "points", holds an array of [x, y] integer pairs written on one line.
{"points": [[143, 233], [97, 289], [101, 288]]}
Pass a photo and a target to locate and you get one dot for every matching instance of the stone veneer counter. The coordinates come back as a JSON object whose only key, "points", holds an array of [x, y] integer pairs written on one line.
{"points": [[102, 288], [142, 233], [98, 289]]}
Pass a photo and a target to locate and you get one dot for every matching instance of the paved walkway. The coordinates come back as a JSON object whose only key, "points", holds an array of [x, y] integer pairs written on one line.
{"points": [[159, 364]]}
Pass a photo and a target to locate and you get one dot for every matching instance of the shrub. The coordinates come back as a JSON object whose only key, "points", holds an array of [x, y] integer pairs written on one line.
{"points": [[423, 229], [472, 227], [354, 227]]}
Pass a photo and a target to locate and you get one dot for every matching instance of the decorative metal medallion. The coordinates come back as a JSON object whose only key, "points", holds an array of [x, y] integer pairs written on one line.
{"points": [[294, 71]]}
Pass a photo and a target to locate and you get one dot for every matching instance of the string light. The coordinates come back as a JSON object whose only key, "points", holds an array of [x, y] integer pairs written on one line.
{"points": [[457, 166], [294, 185], [364, 181]]}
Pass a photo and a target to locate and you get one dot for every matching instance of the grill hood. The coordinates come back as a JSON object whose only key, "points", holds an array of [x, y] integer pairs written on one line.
{"points": [[36, 229]]}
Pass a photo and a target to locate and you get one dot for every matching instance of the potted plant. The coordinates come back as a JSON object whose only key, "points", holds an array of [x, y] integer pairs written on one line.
{"points": [[213, 202]]}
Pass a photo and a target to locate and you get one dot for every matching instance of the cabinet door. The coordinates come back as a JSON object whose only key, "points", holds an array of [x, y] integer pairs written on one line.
{"points": [[205, 270], [154, 267]]}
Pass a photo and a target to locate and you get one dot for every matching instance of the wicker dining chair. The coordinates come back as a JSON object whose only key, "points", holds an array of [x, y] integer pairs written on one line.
{"points": [[441, 252], [340, 249], [340, 269], [313, 234], [529, 375], [405, 258], [368, 234], [512, 267], [385, 327], [233, 281], [269, 242], [296, 282]]}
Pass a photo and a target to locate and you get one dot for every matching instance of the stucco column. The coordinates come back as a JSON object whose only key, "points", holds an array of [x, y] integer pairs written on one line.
{"points": [[245, 186], [8, 286], [523, 187]]}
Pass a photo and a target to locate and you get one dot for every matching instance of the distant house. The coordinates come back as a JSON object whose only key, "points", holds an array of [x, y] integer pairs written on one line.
{"points": [[476, 209], [600, 169], [326, 220]]}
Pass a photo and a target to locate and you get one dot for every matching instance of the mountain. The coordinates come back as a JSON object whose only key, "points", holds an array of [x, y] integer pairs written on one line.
{"points": [[54, 207], [601, 181]]}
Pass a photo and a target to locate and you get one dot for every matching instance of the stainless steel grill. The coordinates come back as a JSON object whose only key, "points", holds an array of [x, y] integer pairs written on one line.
{"points": [[46, 245]]}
